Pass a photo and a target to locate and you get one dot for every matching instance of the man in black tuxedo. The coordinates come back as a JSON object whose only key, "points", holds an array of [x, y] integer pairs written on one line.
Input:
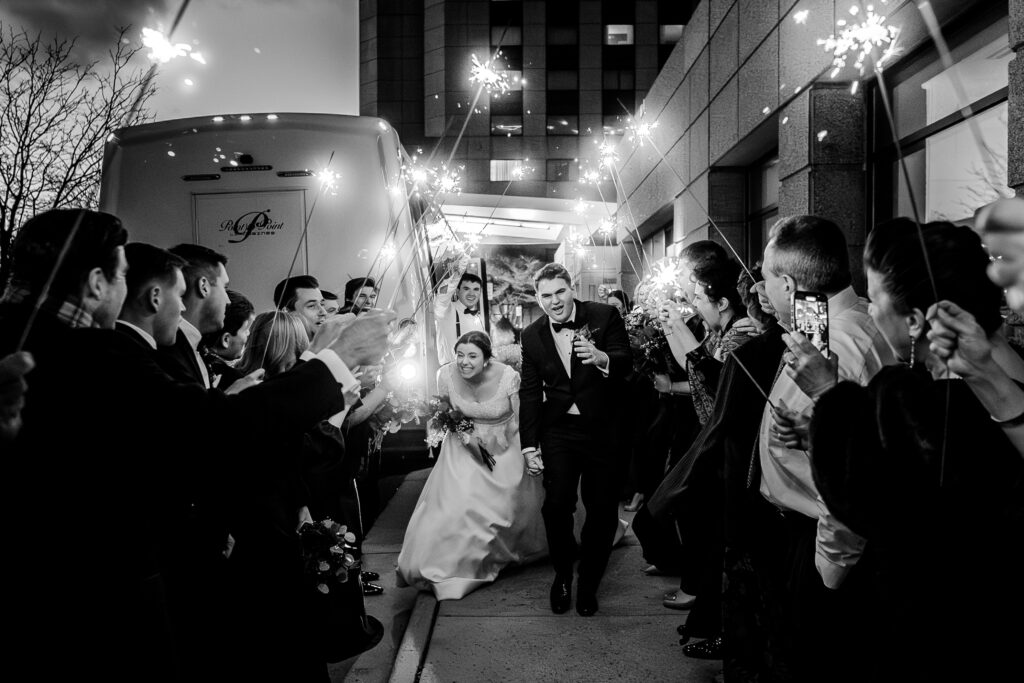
{"points": [[574, 361], [206, 300]]}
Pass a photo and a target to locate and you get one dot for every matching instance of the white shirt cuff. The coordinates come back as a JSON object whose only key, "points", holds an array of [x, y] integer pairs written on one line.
{"points": [[529, 450], [341, 373]]}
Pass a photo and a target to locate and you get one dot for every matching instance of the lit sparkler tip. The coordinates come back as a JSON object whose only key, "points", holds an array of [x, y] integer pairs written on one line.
{"points": [[801, 16], [160, 48], [493, 81]]}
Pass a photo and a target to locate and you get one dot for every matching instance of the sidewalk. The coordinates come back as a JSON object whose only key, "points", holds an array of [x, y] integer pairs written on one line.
{"points": [[506, 631]]}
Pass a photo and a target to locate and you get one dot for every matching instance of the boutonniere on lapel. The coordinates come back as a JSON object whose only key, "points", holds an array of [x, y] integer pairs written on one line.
{"points": [[584, 333]]}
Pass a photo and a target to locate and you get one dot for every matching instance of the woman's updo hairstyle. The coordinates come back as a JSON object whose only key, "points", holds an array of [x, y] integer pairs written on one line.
{"points": [[478, 339], [958, 262]]}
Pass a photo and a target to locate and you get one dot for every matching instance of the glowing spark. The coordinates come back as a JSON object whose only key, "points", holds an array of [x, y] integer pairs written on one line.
{"points": [[606, 227], [245, 117], [822, 134], [489, 79], [608, 155], [160, 49], [189, 81], [766, 111], [198, 56], [328, 180], [801, 16], [388, 251], [517, 173], [580, 207], [639, 130], [785, 120], [862, 40], [449, 181], [256, 50], [170, 153], [233, 162]]}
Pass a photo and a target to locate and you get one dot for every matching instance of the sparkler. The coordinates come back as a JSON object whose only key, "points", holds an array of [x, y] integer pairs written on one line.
{"points": [[489, 78], [861, 41]]}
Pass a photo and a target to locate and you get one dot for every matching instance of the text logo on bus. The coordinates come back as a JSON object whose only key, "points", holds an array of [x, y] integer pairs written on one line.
{"points": [[253, 223]]}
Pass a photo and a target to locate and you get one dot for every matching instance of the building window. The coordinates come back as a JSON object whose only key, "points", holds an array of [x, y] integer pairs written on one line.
{"points": [[563, 80], [563, 57], [616, 107], [506, 125], [618, 57], [563, 13], [511, 56], [619, 80], [762, 205], [618, 34], [506, 35], [670, 34], [951, 175], [506, 170], [562, 170], [562, 35], [563, 108]]}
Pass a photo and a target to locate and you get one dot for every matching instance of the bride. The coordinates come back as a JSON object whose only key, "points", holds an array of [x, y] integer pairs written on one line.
{"points": [[471, 521]]}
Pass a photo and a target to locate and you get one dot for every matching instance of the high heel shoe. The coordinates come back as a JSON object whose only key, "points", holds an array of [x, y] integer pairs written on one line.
{"points": [[634, 505]]}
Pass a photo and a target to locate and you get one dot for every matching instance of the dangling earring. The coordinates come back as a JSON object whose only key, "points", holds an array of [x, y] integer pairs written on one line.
{"points": [[913, 343]]}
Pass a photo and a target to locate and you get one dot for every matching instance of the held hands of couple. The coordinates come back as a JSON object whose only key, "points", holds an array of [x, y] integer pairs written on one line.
{"points": [[807, 367], [534, 463]]}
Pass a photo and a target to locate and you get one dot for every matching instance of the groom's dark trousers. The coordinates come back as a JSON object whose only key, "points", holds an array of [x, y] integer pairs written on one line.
{"points": [[578, 450]]}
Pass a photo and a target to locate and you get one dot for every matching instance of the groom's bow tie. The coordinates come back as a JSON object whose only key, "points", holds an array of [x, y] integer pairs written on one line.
{"points": [[472, 311], [567, 325]]}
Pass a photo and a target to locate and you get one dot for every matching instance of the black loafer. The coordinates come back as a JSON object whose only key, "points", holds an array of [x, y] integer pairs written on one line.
{"points": [[705, 649], [370, 576], [586, 604], [561, 595], [372, 589]]}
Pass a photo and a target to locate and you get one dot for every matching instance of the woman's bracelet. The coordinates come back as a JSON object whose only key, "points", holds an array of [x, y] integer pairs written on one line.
{"points": [[1012, 422]]}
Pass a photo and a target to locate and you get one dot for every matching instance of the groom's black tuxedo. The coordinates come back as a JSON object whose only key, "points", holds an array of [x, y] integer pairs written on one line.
{"points": [[547, 391], [576, 448]]}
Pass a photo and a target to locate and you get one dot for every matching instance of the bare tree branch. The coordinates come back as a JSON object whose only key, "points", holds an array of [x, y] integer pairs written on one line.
{"points": [[55, 118]]}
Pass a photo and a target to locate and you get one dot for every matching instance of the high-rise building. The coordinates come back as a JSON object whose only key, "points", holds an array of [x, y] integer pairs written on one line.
{"points": [[577, 70]]}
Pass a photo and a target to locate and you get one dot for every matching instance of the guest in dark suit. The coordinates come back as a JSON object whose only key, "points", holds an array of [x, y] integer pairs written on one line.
{"points": [[221, 348], [90, 450], [206, 299], [575, 360], [301, 294], [360, 295]]}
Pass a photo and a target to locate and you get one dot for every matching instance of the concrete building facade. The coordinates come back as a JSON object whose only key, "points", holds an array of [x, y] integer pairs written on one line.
{"points": [[750, 125]]}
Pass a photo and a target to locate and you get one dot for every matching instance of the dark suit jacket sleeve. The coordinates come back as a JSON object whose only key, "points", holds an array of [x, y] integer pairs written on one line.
{"points": [[620, 358], [531, 392]]}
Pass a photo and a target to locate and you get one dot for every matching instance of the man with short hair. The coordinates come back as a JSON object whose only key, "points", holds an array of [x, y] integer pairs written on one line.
{"points": [[301, 294], [206, 299], [221, 348], [155, 290], [360, 295], [457, 312], [797, 532], [575, 359], [331, 303]]}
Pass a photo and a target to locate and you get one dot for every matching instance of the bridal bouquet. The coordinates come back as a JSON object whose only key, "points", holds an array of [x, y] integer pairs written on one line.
{"points": [[328, 551], [446, 418], [395, 411], [647, 341]]}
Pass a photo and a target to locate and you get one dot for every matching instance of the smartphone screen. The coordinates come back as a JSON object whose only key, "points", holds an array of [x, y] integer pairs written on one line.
{"points": [[810, 318]]}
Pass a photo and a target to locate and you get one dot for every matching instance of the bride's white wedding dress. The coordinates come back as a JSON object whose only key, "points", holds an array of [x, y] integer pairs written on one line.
{"points": [[470, 522]]}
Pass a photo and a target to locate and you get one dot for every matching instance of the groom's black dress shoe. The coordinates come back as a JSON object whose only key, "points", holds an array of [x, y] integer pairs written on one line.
{"points": [[561, 595], [586, 603]]}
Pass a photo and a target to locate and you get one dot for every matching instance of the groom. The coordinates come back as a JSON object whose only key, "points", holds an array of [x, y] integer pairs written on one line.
{"points": [[574, 360]]}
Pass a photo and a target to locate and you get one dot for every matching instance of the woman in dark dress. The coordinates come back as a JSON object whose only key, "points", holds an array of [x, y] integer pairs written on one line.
{"points": [[915, 464]]}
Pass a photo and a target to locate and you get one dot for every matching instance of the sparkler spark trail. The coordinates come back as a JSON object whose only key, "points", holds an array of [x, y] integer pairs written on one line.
{"points": [[862, 42], [490, 79]]}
